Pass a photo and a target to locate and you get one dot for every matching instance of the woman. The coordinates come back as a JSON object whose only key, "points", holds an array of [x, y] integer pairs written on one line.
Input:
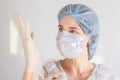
{"points": [[77, 42]]}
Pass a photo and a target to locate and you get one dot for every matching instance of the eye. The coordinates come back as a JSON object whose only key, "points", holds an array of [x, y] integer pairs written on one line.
{"points": [[72, 31], [60, 29]]}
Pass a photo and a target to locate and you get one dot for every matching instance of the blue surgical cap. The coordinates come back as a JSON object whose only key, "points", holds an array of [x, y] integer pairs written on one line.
{"points": [[88, 21]]}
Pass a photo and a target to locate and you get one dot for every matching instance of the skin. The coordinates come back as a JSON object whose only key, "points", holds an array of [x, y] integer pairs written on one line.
{"points": [[77, 69]]}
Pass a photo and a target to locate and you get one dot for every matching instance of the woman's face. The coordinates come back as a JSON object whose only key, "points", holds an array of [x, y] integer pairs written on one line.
{"points": [[69, 24]]}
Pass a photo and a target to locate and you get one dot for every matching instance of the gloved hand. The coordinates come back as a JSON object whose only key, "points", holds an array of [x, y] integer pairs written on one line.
{"points": [[33, 62]]}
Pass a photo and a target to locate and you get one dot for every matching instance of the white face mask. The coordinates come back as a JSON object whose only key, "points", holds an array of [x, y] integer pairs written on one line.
{"points": [[70, 44]]}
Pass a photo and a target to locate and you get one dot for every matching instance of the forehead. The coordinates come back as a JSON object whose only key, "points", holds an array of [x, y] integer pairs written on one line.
{"points": [[69, 21]]}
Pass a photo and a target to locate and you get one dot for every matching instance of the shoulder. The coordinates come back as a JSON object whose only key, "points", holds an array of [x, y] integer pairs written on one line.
{"points": [[104, 72], [51, 66]]}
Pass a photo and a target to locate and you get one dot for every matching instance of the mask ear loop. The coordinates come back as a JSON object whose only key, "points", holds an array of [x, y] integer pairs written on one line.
{"points": [[87, 43]]}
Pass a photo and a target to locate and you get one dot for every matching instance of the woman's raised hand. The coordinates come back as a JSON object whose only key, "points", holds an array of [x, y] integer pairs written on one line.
{"points": [[33, 62], [23, 27]]}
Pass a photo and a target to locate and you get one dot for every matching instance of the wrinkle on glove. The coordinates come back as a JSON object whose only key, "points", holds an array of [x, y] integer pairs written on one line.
{"points": [[88, 21]]}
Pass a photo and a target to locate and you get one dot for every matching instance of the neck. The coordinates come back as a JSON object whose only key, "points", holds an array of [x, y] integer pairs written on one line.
{"points": [[78, 65]]}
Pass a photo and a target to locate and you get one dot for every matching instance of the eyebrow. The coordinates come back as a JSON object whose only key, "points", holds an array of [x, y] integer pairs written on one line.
{"points": [[60, 25], [69, 27]]}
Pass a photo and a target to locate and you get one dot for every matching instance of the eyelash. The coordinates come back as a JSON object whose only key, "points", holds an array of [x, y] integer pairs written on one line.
{"points": [[71, 31]]}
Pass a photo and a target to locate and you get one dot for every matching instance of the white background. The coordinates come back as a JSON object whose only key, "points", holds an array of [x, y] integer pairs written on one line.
{"points": [[42, 15]]}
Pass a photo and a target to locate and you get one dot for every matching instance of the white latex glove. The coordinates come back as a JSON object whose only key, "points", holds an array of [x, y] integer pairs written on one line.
{"points": [[33, 62]]}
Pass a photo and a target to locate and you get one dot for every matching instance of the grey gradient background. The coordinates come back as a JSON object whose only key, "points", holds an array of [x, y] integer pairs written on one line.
{"points": [[42, 15]]}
